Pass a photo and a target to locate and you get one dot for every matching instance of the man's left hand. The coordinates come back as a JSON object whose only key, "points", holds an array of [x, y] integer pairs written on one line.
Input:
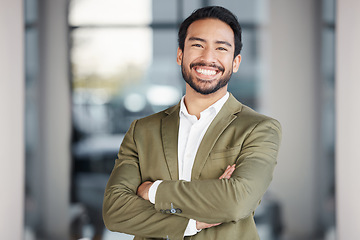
{"points": [[143, 190]]}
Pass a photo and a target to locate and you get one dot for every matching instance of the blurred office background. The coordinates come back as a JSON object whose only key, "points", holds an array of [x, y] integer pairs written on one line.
{"points": [[76, 73]]}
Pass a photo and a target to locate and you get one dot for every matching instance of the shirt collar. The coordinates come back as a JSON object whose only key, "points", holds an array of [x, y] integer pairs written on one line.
{"points": [[216, 106]]}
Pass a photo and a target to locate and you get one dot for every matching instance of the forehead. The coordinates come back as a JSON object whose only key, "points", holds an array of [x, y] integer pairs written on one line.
{"points": [[211, 30]]}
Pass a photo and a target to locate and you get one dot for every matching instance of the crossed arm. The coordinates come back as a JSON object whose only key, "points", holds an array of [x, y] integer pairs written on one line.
{"points": [[210, 201], [143, 192]]}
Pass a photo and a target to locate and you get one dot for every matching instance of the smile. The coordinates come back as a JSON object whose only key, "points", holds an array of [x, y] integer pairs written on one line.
{"points": [[206, 71]]}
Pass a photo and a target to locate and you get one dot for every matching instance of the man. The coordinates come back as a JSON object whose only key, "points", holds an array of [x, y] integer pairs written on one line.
{"points": [[199, 169]]}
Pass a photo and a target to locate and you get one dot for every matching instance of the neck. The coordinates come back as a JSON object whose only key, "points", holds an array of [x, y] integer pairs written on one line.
{"points": [[196, 103]]}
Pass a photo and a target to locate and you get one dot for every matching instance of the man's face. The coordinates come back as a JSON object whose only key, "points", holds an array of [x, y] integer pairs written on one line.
{"points": [[207, 61]]}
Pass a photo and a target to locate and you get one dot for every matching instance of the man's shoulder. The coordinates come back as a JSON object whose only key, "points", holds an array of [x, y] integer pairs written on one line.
{"points": [[248, 115], [249, 112]]}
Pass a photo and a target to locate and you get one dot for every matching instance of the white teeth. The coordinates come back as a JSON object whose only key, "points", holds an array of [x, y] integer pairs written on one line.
{"points": [[205, 71]]}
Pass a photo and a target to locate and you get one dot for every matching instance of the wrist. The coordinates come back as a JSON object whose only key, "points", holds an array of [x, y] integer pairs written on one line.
{"points": [[143, 190], [153, 189]]}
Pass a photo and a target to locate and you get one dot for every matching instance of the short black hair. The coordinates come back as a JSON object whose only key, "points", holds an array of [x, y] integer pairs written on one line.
{"points": [[214, 12]]}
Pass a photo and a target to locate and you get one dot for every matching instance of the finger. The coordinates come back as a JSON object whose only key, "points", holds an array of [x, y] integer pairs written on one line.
{"points": [[202, 225], [224, 174], [231, 169], [211, 225], [214, 224], [228, 173]]}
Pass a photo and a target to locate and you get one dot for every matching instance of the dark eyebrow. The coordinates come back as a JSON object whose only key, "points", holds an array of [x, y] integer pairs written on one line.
{"points": [[196, 39], [224, 42]]}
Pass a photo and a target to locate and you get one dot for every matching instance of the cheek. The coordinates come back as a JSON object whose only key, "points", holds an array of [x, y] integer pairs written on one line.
{"points": [[227, 61], [191, 56]]}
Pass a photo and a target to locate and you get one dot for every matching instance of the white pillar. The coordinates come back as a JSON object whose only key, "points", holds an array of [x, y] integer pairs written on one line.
{"points": [[55, 119], [11, 119], [292, 59], [348, 119]]}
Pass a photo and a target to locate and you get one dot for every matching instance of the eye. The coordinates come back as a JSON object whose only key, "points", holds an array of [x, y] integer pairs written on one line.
{"points": [[222, 49], [197, 45]]}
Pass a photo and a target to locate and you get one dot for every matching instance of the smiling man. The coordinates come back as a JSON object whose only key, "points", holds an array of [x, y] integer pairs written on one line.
{"points": [[209, 61], [199, 169]]}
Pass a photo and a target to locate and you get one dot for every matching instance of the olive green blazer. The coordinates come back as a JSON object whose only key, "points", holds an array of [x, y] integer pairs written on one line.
{"points": [[149, 152]]}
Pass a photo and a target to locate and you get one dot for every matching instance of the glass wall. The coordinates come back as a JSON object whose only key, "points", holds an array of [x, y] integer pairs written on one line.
{"points": [[327, 153], [32, 88]]}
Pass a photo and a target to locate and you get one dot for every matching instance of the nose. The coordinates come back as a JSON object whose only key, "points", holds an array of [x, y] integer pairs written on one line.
{"points": [[208, 55]]}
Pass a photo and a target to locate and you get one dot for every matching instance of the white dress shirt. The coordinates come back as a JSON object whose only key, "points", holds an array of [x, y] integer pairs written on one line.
{"points": [[191, 133]]}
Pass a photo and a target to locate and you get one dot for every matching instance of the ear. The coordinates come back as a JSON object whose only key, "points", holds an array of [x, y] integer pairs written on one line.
{"points": [[236, 63], [179, 56]]}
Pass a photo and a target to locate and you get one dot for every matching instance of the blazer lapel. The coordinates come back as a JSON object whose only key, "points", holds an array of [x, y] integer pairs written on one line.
{"points": [[169, 133], [219, 124]]}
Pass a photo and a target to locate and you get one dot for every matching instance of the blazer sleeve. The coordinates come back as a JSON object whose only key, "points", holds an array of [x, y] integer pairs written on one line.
{"points": [[226, 200], [124, 211]]}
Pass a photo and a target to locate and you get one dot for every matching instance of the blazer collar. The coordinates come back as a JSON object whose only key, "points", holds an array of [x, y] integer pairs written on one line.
{"points": [[170, 130], [169, 133], [216, 128]]}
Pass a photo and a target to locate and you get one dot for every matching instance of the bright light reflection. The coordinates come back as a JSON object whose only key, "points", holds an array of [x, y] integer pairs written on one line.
{"points": [[93, 12], [135, 102], [106, 52], [162, 95]]}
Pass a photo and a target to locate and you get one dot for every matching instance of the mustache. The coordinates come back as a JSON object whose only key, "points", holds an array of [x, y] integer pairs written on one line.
{"points": [[201, 64]]}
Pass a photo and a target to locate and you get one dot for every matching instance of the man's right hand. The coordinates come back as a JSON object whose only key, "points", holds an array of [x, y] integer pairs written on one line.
{"points": [[227, 174], [202, 225]]}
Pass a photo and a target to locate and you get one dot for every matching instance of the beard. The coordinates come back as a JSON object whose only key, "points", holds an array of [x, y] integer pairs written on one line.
{"points": [[203, 86]]}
